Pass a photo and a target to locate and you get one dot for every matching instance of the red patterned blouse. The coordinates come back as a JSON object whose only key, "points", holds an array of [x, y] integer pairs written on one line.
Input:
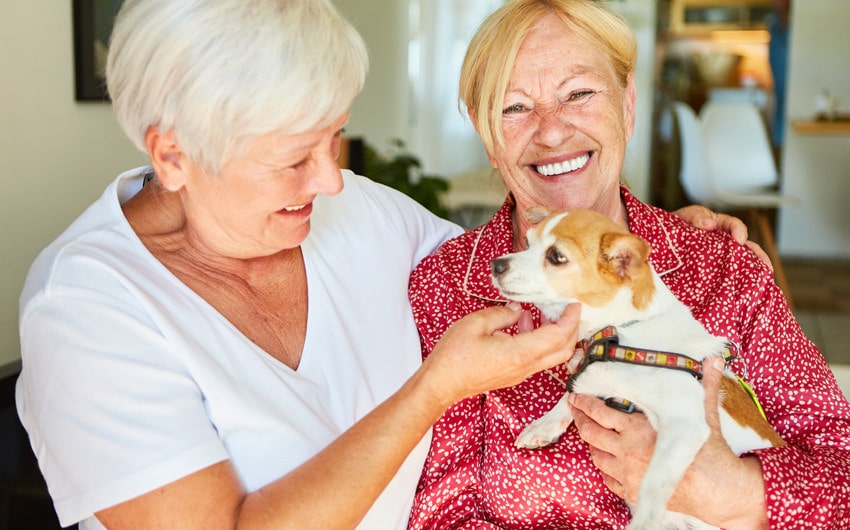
{"points": [[475, 478]]}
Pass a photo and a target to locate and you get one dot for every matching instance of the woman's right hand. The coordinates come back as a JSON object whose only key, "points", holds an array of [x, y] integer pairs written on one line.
{"points": [[475, 355]]}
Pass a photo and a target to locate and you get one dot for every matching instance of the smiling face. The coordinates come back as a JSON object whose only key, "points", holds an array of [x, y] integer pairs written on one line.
{"points": [[261, 201], [566, 120]]}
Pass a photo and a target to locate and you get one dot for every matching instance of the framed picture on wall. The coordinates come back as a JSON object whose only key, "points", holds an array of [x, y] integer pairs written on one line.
{"points": [[92, 23]]}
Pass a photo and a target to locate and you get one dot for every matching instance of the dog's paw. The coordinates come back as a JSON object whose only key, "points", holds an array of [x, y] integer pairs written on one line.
{"points": [[543, 431]]}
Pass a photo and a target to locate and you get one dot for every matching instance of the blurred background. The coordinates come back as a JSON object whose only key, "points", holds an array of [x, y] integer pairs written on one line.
{"points": [[58, 151]]}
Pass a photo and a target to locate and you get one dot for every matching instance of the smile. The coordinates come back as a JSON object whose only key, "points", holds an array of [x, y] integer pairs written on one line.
{"points": [[566, 166], [294, 208]]}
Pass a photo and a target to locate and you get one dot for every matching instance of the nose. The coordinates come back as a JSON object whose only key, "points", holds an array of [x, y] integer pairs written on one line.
{"points": [[499, 266], [326, 175], [554, 126]]}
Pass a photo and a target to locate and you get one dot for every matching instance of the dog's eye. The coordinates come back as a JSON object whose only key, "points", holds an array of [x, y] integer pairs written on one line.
{"points": [[554, 257]]}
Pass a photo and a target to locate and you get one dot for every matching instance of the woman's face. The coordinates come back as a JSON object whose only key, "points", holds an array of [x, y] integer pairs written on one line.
{"points": [[565, 121], [261, 201]]}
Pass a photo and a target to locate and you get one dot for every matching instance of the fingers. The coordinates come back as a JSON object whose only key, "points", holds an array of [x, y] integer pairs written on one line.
{"points": [[596, 417], [525, 322], [733, 226], [698, 215], [760, 253], [475, 355], [702, 217]]}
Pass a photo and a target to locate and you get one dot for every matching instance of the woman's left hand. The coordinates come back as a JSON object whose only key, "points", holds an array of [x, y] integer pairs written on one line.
{"points": [[704, 218], [719, 487]]}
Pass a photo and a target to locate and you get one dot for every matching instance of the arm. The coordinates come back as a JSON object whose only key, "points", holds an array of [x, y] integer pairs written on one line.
{"points": [[336, 487]]}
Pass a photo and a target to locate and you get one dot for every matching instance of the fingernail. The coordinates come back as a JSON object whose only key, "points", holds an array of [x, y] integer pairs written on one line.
{"points": [[514, 306], [571, 399], [718, 364]]}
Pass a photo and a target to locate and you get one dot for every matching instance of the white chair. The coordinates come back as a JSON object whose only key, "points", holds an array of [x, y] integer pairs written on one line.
{"points": [[727, 164]]}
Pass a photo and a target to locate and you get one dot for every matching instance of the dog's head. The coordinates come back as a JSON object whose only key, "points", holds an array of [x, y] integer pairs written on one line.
{"points": [[576, 256]]}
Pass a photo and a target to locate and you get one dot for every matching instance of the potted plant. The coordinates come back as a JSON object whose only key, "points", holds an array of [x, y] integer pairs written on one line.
{"points": [[402, 170]]}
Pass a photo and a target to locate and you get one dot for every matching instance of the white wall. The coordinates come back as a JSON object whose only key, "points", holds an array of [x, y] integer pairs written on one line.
{"points": [[381, 112], [641, 16], [56, 155], [816, 169]]}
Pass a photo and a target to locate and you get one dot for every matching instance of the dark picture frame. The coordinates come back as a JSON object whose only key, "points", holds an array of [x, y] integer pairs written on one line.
{"points": [[92, 23]]}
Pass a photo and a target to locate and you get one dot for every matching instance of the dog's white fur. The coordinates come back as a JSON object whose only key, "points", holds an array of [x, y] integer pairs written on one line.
{"points": [[582, 256]]}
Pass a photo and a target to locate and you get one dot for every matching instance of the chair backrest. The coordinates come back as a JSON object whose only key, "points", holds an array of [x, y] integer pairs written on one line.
{"points": [[693, 167], [737, 147]]}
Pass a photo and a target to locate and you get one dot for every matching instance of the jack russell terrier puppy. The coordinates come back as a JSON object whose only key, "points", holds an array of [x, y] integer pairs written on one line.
{"points": [[641, 349]]}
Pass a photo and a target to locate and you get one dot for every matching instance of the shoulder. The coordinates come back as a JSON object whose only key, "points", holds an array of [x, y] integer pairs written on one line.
{"points": [[99, 239]]}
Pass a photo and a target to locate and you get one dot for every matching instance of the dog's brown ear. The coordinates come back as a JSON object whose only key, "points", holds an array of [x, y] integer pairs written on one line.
{"points": [[624, 255], [535, 214]]}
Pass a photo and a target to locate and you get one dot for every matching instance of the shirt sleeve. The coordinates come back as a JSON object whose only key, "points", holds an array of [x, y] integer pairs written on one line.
{"points": [[110, 412], [807, 482]]}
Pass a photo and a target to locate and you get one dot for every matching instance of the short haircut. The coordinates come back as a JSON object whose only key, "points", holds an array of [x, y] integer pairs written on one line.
{"points": [[218, 72], [491, 54]]}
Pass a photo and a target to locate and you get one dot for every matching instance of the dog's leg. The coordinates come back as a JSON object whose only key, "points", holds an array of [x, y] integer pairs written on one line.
{"points": [[548, 428], [679, 438]]}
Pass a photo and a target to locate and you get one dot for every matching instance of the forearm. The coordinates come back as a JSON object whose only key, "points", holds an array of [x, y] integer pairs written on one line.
{"points": [[334, 489], [738, 502]]}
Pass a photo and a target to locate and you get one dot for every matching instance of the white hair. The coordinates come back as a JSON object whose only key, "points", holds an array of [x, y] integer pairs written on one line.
{"points": [[217, 72]]}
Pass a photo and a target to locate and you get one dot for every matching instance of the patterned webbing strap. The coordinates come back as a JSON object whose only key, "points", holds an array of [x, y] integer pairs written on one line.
{"points": [[604, 346]]}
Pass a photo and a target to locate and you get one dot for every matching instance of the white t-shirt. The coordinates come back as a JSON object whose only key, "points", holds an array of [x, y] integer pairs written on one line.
{"points": [[130, 380]]}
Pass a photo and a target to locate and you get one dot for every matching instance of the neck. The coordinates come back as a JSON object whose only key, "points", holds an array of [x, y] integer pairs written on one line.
{"points": [[616, 212]]}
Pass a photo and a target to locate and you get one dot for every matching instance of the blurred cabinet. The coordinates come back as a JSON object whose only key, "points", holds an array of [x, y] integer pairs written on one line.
{"points": [[697, 17]]}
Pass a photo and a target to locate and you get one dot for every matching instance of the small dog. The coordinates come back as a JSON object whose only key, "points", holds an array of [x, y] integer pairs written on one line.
{"points": [[652, 345]]}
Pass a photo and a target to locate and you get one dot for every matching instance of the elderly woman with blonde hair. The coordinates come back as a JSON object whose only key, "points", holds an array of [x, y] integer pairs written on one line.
{"points": [[549, 86]]}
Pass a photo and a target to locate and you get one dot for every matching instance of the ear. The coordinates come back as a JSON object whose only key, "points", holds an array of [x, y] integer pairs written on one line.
{"points": [[167, 158], [535, 214], [623, 255]]}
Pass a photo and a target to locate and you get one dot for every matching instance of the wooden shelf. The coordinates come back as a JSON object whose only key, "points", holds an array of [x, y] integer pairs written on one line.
{"points": [[823, 127]]}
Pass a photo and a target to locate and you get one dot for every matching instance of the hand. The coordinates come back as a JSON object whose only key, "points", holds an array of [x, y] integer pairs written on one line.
{"points": [[702, 217], [475, 356], [719, 487]]}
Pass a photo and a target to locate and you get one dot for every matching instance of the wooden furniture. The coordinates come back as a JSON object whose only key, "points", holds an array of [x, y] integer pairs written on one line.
{"points": [[837, 127]]}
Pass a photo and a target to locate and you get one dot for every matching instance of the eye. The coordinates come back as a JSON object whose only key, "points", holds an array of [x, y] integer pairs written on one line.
{"points": [[580, 94], [554, 256], [513, 109]]}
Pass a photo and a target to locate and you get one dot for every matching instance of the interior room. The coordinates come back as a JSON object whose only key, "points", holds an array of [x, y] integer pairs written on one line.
{"points": [[58, 151]]}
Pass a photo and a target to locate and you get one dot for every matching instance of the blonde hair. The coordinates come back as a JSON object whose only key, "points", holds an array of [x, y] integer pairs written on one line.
{"points": [[218, 72], [492, 52]]}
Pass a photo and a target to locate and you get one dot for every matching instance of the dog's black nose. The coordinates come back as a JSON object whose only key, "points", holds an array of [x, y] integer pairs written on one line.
{"points": [[499, 266]]}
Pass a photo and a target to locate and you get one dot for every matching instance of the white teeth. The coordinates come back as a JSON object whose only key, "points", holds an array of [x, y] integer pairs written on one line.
{"points": [[563, 167], [294, 208]]}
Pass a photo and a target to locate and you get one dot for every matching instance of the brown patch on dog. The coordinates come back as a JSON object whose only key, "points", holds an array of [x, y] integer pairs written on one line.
{"points": [[741, 407], [610, 256]]}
